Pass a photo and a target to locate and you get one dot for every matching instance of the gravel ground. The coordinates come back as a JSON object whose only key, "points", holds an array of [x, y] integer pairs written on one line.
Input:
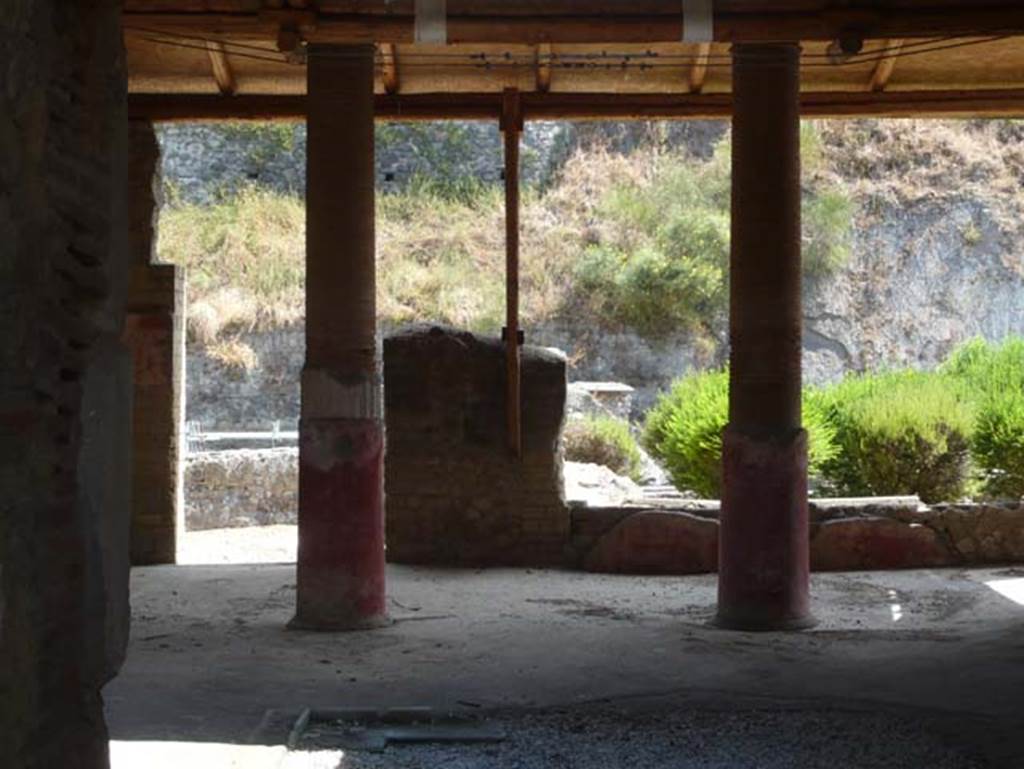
{"points": [[761, 739]]}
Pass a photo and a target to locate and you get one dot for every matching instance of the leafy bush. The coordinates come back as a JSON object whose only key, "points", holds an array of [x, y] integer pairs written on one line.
{"points": [[992, 376], [684, 431], [603, 441], [899, 433], [988, 369], [998, 446]]}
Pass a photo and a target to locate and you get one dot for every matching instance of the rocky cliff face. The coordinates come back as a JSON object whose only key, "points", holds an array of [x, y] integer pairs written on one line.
{"points": [[937, 254]]}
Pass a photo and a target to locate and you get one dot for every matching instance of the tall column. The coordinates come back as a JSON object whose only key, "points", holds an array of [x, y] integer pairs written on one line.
{"points": [[763, 545], [341, 436]]}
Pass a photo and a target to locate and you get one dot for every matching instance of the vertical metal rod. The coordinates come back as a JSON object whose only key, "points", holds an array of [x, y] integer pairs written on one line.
{"points": [[512, 126]]}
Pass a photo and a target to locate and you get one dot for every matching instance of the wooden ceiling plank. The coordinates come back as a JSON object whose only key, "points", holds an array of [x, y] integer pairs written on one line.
{"points": [[221, 67], [884, 69], [873, 23]]}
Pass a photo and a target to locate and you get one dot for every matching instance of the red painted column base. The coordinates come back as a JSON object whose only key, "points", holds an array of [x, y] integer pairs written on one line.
{"points": [[341, 525], [763, 550]]}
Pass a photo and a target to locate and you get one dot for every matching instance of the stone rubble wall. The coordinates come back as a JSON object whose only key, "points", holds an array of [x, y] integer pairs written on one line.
{"points": [[245, 487], [846, 535], [455, 495]]}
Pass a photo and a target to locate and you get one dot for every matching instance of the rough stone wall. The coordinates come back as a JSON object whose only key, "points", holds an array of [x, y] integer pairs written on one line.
{"points": [[244, 487], [63, 410], [222, 397], [454, 493]]}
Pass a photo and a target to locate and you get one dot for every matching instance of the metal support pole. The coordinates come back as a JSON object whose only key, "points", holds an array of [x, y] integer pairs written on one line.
{"points": [[763, 544], [341, 437], [512, 127]]}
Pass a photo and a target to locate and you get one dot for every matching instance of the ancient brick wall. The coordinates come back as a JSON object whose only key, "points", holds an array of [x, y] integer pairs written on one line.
{"points": [[155, 333], [64, 378], [454, 494]]}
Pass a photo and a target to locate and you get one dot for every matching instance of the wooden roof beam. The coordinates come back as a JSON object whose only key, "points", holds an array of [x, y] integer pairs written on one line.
{"points": [[583, 106], [221, 68], [389, 68], [884, 69], [699, 72], [543, 54], [730, 27]]}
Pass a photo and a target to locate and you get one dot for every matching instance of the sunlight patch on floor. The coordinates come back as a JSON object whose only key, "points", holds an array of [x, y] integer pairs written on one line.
{"points": [[215, 755], [1009, 588]]}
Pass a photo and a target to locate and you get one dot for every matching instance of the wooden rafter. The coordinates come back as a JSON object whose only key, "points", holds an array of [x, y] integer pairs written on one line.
{"points": [[699, 71], [389, 68], [544, 67], [221, 67], [883, 70]]}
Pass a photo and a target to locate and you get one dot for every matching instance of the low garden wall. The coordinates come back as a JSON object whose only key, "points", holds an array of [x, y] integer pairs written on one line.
{"points": [[846, 535], [259, 487], [245, 487]]}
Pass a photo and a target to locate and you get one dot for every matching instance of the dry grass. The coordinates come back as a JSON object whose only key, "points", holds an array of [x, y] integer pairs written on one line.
{"points": [[234, 354]]}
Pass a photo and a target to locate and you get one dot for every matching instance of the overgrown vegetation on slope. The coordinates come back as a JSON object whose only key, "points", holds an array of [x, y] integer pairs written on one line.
{"points": [[638, 241]]}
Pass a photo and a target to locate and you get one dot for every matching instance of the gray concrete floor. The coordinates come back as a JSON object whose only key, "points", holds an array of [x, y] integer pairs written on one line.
{"points": [[937, 656]]}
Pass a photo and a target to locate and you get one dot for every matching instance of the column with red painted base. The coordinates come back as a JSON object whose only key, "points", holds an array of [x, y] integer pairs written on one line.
{"points": [[341, 438], [763, 544]]}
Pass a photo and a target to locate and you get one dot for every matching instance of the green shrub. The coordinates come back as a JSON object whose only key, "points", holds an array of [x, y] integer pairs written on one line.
{"points": [[684, 431], [988, 370], [992, 376], [603, 441], [900, 433], [998, 446]]}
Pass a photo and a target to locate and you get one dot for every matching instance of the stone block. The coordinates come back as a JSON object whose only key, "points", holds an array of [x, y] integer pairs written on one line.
{"points": [[657, 542], [861, 544], [981, 534]]}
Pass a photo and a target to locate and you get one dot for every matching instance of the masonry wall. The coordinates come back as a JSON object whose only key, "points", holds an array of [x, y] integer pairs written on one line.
{"points": [[65, 404], [454, 494], [154, 330]]}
